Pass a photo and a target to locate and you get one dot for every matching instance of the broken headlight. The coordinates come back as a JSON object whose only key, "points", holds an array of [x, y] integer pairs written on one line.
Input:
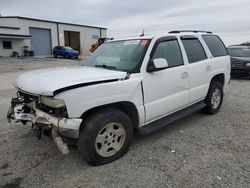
{"points": [[53, 103]]}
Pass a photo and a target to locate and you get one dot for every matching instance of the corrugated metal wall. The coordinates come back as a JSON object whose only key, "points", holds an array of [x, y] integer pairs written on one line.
{"points": [[17, 45]]}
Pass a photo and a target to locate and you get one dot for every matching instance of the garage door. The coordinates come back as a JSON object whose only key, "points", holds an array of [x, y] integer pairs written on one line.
{"points": [[41, 41]]}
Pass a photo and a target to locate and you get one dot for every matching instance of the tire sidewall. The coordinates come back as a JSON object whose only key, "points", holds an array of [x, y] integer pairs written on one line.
{"points": [[89, 137], [214, 85]]}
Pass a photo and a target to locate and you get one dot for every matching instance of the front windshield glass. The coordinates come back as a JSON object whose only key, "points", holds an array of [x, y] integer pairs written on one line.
{"points": [[118, 55], [239, 52]]}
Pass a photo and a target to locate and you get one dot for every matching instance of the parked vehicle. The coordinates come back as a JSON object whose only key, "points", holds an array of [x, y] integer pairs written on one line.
{"points": [[135, 84], [240, 60], [65, 51]]}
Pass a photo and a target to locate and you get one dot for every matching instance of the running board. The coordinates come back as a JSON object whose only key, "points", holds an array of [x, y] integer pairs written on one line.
{"points": [[158, 124]]}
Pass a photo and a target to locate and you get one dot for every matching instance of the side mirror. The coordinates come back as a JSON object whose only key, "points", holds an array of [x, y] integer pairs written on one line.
{"points": [[157, 65]]}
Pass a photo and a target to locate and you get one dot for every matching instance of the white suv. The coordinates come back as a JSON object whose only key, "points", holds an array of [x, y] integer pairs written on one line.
{"points": [[127, 85]]}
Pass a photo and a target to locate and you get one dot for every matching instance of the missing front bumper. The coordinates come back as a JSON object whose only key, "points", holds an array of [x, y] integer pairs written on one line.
{"points": [[21, 112]]}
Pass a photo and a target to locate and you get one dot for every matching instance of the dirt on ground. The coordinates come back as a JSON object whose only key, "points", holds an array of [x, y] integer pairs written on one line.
{"points": [[197, 151]]}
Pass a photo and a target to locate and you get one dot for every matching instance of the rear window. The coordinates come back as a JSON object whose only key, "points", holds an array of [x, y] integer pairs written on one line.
{"points": [[194, 50], [215, 45]]}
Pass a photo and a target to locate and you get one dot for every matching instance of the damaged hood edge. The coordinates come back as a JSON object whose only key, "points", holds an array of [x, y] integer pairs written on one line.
{"points": [[52, 81]]}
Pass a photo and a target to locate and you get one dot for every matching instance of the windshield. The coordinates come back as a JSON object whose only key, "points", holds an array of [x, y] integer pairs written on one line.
{"points": [[119, 55], [239, 52]]}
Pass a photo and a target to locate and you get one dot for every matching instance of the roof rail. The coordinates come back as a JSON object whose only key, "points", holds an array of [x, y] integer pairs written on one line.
{"points": [[194, 31]]}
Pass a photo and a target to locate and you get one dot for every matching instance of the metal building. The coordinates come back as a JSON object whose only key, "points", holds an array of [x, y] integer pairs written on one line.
{"points": [[41, 36]]}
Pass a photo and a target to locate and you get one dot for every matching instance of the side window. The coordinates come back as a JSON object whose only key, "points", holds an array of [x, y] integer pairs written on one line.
{"points": [[194, 50], [170, 51], [215, 45]]}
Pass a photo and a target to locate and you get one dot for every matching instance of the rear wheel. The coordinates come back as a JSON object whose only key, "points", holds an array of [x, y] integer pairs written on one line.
{"points": [[105, 136], [66, 56], [55, 55], [214, 98]]}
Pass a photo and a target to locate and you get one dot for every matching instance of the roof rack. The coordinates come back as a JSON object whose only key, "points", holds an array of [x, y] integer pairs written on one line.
{"points": [[194, 31]]}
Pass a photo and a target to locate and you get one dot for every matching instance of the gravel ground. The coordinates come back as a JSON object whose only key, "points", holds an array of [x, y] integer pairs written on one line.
{"points": [[196, 151]]}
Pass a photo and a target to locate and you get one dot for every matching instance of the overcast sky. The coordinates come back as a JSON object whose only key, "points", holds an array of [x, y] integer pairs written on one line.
{"points": [[229, 18]]}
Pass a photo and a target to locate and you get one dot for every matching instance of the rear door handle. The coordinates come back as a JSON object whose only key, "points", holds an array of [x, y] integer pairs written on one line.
{"points": [[184, 75], [208, 68]]}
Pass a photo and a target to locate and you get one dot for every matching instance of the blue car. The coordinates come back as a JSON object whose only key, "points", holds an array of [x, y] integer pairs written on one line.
{"points": [[65, 51]]}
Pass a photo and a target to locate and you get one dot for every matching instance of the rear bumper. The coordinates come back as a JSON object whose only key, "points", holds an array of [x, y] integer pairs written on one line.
{"points": [[65, 126]]}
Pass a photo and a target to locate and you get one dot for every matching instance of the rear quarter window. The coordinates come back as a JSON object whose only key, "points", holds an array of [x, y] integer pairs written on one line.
{"points": [[215, 45]]}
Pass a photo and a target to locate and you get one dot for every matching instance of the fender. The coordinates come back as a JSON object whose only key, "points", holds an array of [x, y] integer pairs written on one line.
{"points": [[80, 99]]}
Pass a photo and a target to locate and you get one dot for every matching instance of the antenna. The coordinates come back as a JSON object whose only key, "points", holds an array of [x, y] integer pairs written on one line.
{"points": [[142, 35]]}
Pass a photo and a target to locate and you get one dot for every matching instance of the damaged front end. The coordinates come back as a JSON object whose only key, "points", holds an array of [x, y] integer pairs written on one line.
{"points": [[45, 114]]}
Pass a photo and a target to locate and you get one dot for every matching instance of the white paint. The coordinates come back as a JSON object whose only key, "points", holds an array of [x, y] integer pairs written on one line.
{"points": [[17, 46], [165, 91], [160, 63], [45, 81]]}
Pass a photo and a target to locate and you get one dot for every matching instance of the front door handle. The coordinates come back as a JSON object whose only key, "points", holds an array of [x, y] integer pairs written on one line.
{"points": [[184, 75]]}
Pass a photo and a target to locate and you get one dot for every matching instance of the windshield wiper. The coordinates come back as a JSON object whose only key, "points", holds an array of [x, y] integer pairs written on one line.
{"points": [[106, 67]]}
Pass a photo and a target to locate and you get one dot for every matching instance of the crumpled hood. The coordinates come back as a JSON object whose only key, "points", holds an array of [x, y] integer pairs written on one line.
{"points": [[46, 81]]}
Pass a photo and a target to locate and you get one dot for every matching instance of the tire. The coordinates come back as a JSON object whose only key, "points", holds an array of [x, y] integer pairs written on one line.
{"points": [[66, 56], [214, 98], [55, 55], [101, 133]]}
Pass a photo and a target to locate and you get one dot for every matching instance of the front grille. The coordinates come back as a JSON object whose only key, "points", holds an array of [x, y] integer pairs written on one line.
{"points": [[237, 65]]}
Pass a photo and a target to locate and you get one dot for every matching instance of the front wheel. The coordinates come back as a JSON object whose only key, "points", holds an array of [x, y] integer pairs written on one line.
{"points": [[105, 136], [214, 98]]}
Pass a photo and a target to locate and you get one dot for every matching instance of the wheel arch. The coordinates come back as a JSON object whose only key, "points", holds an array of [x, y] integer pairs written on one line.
{"points": [[219, 78], [125, 106]]}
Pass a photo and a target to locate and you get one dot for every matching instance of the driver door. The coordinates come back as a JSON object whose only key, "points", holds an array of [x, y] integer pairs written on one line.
{"points": [[167, 90]]}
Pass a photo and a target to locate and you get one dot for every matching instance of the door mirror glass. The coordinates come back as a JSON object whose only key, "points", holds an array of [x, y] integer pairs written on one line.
{"points": [[157, 65]]}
